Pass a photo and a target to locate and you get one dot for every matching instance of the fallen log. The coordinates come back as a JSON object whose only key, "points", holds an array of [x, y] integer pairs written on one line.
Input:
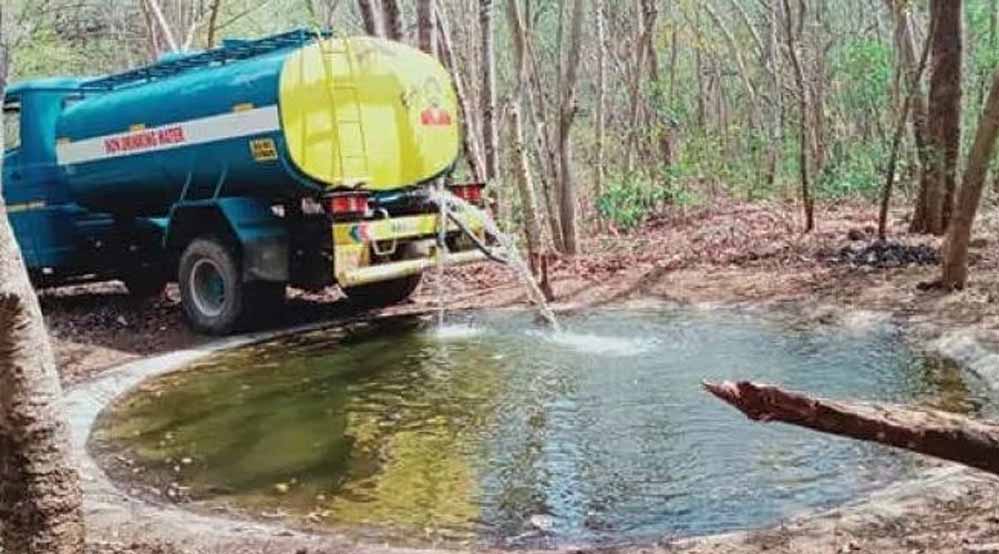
{"points": [[931, 432]]}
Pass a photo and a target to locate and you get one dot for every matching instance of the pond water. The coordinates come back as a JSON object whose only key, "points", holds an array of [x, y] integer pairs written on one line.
{"points": [[493, 431]]}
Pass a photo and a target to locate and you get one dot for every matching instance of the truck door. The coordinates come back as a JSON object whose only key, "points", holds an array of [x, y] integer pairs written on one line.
{"points": [[15, 190]]}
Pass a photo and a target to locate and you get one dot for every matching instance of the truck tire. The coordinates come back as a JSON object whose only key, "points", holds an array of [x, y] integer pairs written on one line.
{"points": [[383, 293], [212, 291], [145, 283]]}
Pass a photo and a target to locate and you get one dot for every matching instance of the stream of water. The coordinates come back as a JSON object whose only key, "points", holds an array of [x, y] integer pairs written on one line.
{"points": [[458, 207]]}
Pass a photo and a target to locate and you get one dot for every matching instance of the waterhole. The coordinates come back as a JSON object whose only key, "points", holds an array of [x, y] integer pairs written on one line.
{"points": [[493, 431]]}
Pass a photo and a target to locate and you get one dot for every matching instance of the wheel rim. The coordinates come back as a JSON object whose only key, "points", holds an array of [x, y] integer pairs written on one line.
{"points": [[207, 287]]}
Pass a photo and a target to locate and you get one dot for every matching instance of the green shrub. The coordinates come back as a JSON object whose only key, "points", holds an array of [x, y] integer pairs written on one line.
{"points": [[853, 169], [630, 199]]}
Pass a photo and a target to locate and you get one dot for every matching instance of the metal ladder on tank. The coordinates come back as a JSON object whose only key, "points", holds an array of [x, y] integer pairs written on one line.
{"points": [[329, 53]]}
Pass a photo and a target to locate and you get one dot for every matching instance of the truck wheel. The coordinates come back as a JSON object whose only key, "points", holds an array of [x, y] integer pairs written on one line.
{"points": [[383, 293], [146, 283], [211, 286]]}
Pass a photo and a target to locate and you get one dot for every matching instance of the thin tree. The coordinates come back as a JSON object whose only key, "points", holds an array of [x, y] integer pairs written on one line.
{"points": [[392, 14], [213, 22], [906, 47], [803, 111], [40, 499], [945, 113], [735, 50], [600, 19], [645, 23], [910, 96], [490, 140], [955, 261], [426, 26], [775, 107], [470, 140], [525, 185], [567, 116], [521, 164], [372, 17], [162, 25], [544, 144]]}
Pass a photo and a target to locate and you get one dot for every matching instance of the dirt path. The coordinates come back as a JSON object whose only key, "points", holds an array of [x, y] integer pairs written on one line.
{"points": [[729, 254]]}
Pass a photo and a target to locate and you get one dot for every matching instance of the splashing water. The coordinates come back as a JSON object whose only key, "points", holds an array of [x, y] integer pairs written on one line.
{"points": [[461, 209], [457, 331], [599, 345]]}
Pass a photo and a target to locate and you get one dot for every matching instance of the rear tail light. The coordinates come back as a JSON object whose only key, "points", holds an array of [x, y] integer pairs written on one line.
{"points": [[343, 205], [469, 192]]}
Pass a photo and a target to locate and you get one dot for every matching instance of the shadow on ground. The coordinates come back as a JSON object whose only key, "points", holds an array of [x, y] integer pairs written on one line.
{"points": [[98, 326]]}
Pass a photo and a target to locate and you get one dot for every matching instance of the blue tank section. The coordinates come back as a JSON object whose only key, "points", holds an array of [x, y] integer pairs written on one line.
{"points": [[78, 219], [178, 122]]}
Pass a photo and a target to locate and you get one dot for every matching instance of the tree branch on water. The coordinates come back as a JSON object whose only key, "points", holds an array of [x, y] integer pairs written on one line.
{"points": [[930, 432]]}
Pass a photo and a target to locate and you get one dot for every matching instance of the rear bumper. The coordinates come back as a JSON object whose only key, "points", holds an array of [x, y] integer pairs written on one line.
{"points": [[355, 264], [394, 270]]}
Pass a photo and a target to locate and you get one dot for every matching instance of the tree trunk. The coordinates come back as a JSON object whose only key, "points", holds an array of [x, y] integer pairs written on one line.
{"points": [[993, 43], [372, 18], [213, 21], [775, 119], [392, 13], [818, 86], [663, 128], [644, 29], [945, 113], [528, 199], [426, 26], [699, 70], [521, 163], [803, 161], [545, 149], [955, 262], [489, 134], [735, 50], [567, 114], [152, 34], [906, 47], [931, 432], [164, 27], [740, 10], [470, 142], [911, 90], [598, 15], [40, 499]]}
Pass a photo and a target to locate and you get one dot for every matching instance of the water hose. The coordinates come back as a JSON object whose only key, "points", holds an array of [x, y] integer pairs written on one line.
{"points": [[476, 240]]}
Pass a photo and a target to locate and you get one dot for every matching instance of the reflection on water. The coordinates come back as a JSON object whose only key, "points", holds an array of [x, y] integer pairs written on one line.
{"points": [[492, 430]]}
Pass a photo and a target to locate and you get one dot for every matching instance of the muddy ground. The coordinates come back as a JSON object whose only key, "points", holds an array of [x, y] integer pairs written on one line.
{"points": [[726, 254]]}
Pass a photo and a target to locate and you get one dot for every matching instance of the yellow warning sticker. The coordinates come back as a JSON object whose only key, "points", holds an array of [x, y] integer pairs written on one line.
{"points": [[263, 150]]}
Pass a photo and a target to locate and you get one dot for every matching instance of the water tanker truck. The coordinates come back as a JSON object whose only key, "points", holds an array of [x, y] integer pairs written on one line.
{"points": [[297, 159]]}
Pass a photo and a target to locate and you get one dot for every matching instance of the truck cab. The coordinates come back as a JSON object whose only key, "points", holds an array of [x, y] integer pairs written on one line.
{"points": [[61, 242], [36, 197]]}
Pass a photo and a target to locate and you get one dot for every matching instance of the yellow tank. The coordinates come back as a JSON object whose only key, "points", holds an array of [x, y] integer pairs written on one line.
{"points": [[368, 113]]}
